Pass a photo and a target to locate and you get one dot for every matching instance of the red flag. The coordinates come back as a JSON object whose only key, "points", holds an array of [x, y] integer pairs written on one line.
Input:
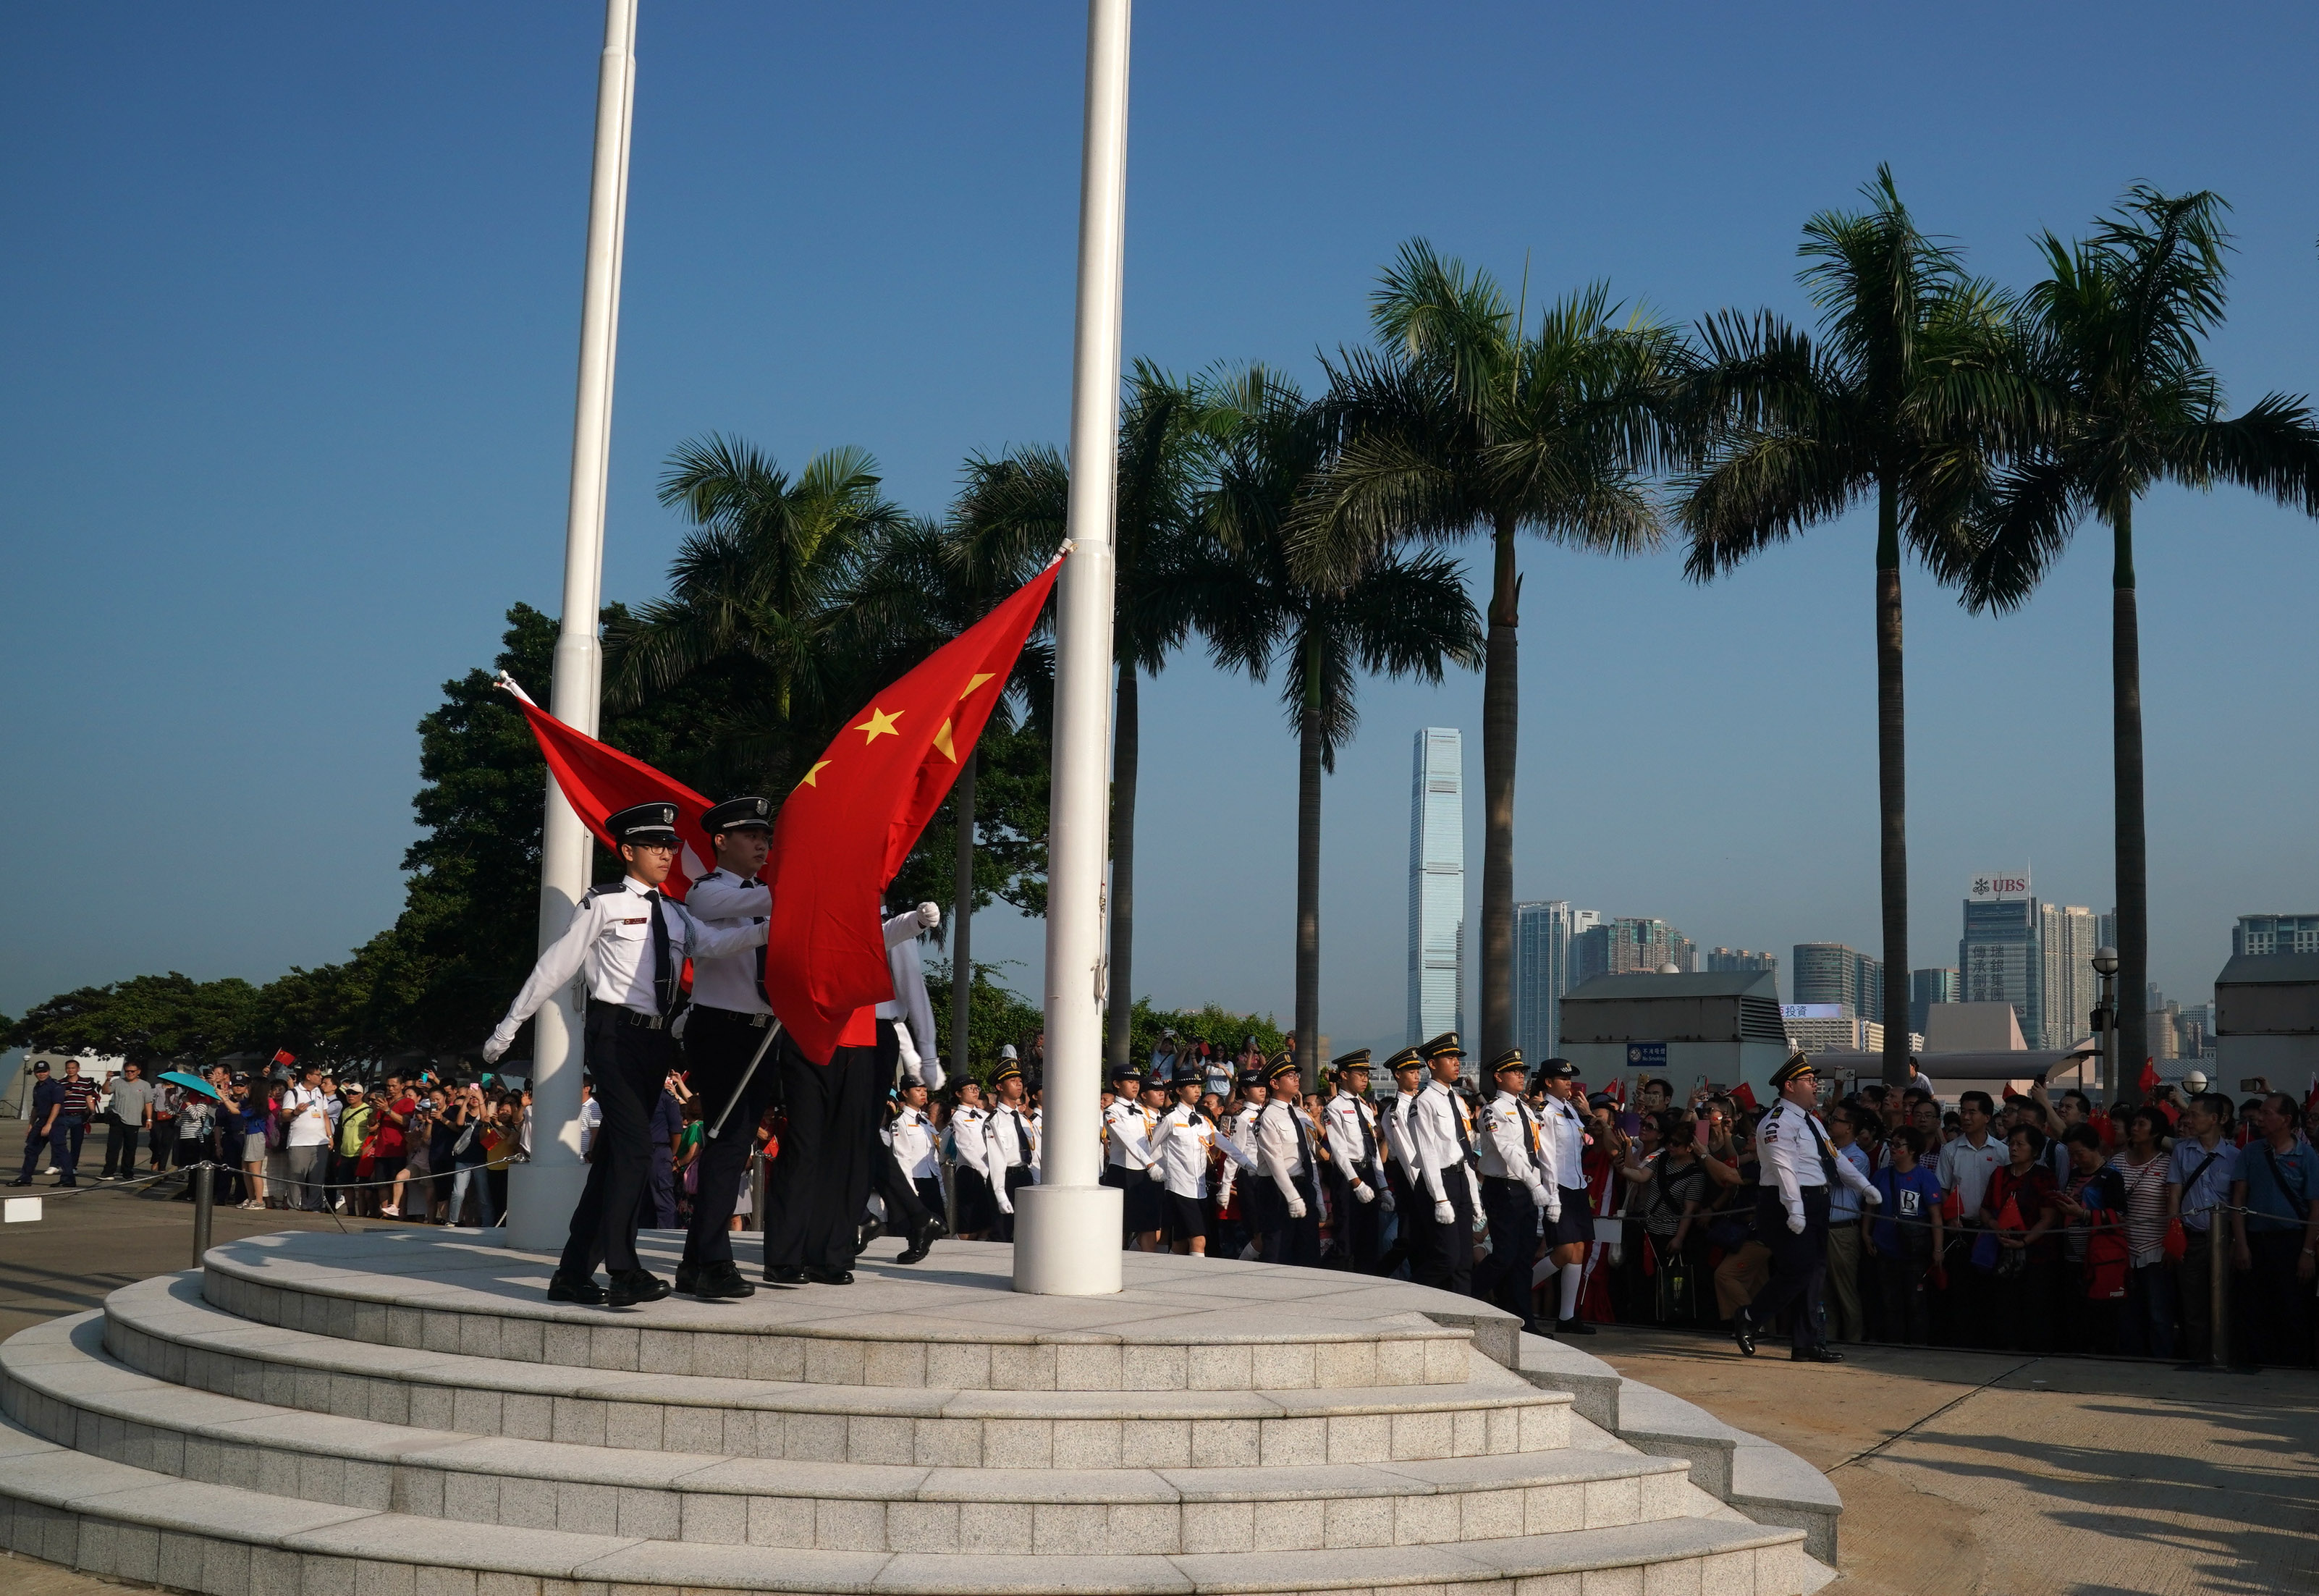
{"points": [[2148, 1081], [600, 780], [854, 816], [285, 1056], [1618, 1091], [1745, 1096]]}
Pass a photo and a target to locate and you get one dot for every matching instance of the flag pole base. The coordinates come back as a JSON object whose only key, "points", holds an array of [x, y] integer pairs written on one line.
{"points": [[1066, 1240], [541, 1196]]}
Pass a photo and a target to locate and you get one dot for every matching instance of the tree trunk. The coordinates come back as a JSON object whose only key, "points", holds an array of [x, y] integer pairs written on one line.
{"points": [[1501, 722], [1892, 783], [2133, 839], [962, 916], [1308, 871], [1119, 976]]}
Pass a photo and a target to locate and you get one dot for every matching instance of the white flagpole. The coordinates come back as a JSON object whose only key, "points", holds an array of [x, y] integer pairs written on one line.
{"points": [[1067, 1229], [544, 1190]]}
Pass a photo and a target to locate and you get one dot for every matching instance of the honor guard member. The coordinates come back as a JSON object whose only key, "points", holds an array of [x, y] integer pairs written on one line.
{"points": [[1146, 1212], [728, 1020], [1181, 1149], [1358, 1188], [1515, 1196], [632, 941], [910, 1139], [1010, 1148], [1797, 1164], [1445, 1139], [967, 1117], [1240, 1127], [1292, 1167], [1570, 1221], [1126, 1152], [1414, 1195]]}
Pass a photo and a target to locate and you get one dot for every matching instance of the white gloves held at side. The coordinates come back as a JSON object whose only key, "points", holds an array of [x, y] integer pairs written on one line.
{"points": [[1363, 1191], [1444, 1212], [1296, 1208], [1795, 1224]]}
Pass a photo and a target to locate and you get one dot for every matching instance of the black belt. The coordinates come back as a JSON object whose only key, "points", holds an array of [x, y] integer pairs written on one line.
{"points": [[754, 1022], [623, 1015]]}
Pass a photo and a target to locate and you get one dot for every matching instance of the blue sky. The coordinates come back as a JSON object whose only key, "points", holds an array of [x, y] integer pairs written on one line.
{"points": [[287, 337]]}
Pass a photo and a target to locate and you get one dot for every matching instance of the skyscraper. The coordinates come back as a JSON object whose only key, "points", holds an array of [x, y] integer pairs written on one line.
{"points": [[1437, 884], [2000, 955], [2067, 938], [2276, 933], [1543, 949], [1634, 945], [1721, 960], [1832, 972], [1927, 987]]}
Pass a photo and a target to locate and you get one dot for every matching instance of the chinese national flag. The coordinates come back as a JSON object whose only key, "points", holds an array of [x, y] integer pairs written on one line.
{"points": [[600, 780], [285, 1056], [2148, 1081], [1744, 1096], [852, 819]]}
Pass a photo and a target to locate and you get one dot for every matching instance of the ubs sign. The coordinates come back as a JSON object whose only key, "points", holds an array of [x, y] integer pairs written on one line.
{"points": [[1995, 886]]}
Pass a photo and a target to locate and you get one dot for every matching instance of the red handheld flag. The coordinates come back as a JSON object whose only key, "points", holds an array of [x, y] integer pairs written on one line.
{"points": [[2148, 1081], [285, 1056], [854, 816], [599, 780], [1745, 1096]]}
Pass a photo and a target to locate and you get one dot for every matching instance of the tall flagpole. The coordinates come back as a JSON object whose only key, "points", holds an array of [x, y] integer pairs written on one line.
{"points": [[1067, 1228], [545, 1189]]}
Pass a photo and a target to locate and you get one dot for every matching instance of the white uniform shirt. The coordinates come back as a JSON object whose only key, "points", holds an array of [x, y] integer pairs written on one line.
{"points": [[909, 1007], [1181, 1145], [729, 981], [1009, 1140], [1509, 1149], [1965, 1170], [610, 934], [1282, 1137], [1788, 1144], [1240, 1128], [1127, 1134], [911, 1135], [312, 1113], [965, 1133], [1354, 1146], [1562, 1144], [1407, 1145]]}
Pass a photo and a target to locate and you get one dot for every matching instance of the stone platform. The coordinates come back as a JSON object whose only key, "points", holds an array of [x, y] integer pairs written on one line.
{"points": [[404, 1414]]}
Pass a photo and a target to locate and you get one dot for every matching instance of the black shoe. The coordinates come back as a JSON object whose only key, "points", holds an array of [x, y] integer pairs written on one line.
{"points": [[1573, 1327], [1821, 1354], [713, 1283], [922, 1241], [871, 1230], [564, 1288], [785, 1275], [20, 1183], [830, 1276], [630, 1286], [1743, 1331]]}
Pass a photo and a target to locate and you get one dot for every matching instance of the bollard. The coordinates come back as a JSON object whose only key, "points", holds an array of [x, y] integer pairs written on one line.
{"points": [[204, 1205]]}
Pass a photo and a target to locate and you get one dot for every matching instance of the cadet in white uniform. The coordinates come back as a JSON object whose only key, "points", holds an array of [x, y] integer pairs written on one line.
{"points": [[1239, 1126], [1292, 1166], [1413, 1193], [1181, 1149], [1570, 1215], [1515, 1196], [967, 1117], [1010, 1148], [1797, 1162], [1445, 1137], [910, 1137], [1358, 1189], [1127, 1127], [632, 941]]}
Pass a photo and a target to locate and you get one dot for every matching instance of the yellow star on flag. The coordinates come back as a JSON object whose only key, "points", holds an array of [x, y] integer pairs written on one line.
{"points": [[942, 741], [880, 725], [979, 679], [819, 765]]}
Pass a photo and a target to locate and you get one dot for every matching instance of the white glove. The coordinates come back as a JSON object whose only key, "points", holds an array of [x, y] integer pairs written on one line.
{"points": [[1444, 1212], [1385, 1202], [1873, 1197], [1151, 1172], [1795, 1224], [1004, 1205], [1363, 1193], [1296, 1208], [1554, 1210], [930, 914], [496, 1047]]}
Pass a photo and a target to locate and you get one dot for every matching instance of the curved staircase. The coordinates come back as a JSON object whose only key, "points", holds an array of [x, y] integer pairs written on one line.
{"points": [[402, 1413]]}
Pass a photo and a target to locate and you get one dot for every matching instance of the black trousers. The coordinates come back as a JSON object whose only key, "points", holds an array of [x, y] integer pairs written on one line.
{"points": [[717, 1046], [628, 1063], [120, 1148], [906, 1207], [821, 1180], [1002, 1222], [976, 1212], [1292, 1240], [1799, 1263], [1407, 1225], [2277, 1305], [930, 1195], [1445, 1259], [1357, 1223], [1502, 1278], [165, 1141]]}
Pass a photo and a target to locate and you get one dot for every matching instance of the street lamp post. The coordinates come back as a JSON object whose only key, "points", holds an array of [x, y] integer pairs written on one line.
{"points": [[1067, 1227], [2105, 1017], [545, 1188]]}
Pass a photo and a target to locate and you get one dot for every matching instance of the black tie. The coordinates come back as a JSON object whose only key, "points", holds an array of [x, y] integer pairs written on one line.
{"points": [[1369, 1136], [1529, 1136], [663, 967], [1457, 1119], [1022, 1135]]}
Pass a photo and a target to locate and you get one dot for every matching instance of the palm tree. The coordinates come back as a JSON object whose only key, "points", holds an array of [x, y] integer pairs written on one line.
{"points": [[758, 589], [2115, 332], [1465, 422], [1400, 615], [1168, 575], [1911, 390]]}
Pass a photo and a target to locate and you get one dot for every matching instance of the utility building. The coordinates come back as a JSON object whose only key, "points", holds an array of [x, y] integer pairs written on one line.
{"points": [[1724, 1027]]}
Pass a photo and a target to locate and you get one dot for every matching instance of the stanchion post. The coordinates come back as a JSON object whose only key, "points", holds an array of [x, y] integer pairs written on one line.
{"points": [[2218, 1294], [204, 1208]]}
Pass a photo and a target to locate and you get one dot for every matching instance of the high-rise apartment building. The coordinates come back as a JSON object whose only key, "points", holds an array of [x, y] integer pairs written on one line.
{"points": [[1927, 987], [1831, 972], [2001, 954], [1722, 960], [1544, 935], [2276, 933], [2067, 938], [1634, 945], [1437, 884]]}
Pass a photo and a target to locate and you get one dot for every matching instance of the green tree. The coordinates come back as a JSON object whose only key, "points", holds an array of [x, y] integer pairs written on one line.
{"points": [[1400, 614], [2114, 332], [1463, 422], [149, 1019], [996, 1017], [1911, 391], [1224, 1032]]}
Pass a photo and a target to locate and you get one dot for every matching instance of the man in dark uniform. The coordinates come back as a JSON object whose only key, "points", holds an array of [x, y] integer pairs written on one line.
{"points": [[1797, 1164], [632, 941]]}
